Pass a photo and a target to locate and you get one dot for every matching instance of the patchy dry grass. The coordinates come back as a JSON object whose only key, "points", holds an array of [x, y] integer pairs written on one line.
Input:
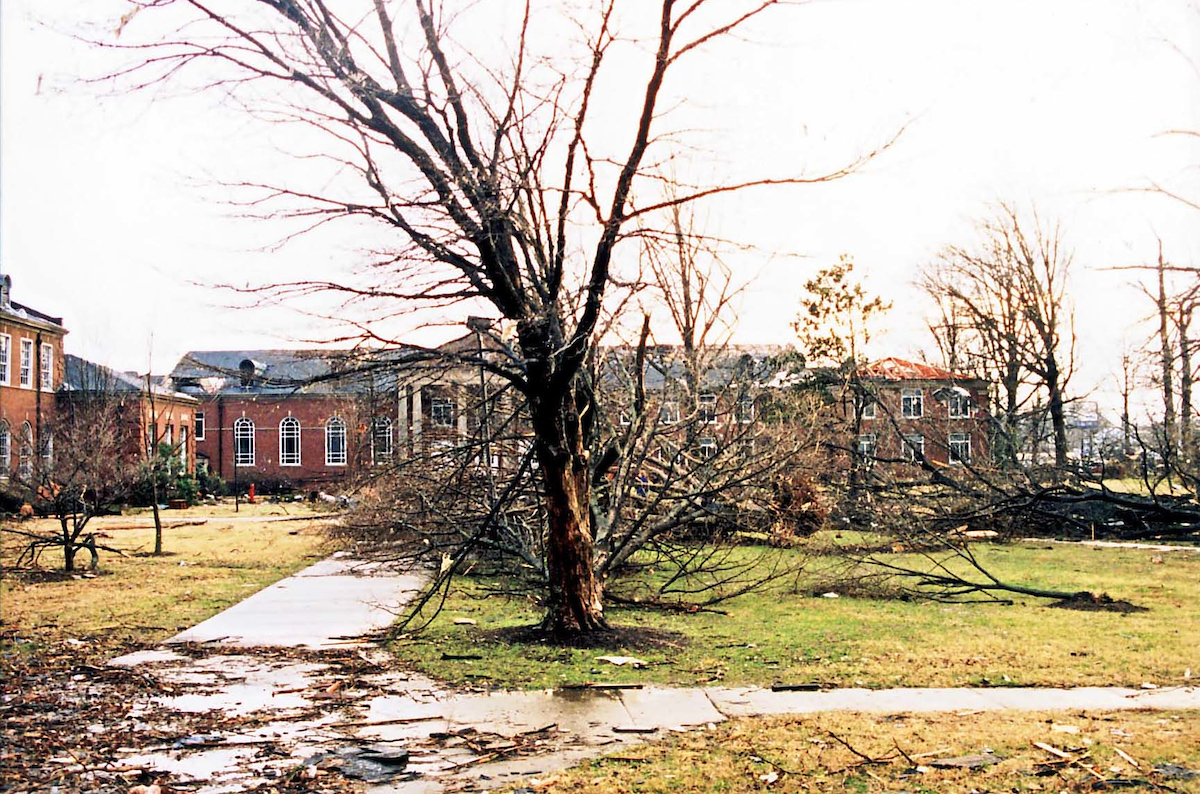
{"points": [[142, 598], [790, 636], [829, 752]]}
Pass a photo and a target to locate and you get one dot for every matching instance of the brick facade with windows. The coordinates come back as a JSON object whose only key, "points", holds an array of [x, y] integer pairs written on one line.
{"points": [[924, 409], [31, 367]]}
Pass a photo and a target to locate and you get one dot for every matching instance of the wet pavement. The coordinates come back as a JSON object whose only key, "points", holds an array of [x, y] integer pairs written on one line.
{"points": [[284, 685], [326, 605]]}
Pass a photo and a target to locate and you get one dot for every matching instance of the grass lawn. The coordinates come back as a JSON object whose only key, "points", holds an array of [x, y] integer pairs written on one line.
{"points": [[814, 754], [141, 598], [786, 636]]}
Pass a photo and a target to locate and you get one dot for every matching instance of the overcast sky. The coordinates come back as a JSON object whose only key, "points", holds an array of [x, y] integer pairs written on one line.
{"points": [[107, 211]]}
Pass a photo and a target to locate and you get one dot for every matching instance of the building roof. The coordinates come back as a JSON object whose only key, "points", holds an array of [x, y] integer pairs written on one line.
{"points": [[81, 375], [22, 313], [313, 371], [900, 369]]}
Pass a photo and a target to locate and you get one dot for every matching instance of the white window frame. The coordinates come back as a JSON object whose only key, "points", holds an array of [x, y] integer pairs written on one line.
{"points": [[5, 449], [868, 443], [957, 444], [5, 358], [46, 376], [26, 372], [335, 427], [183, 450], [382, 453], [668, 413], [289, 428], [911, 441], [868, 407], [959, 406], [706, 408], [46, 453], [707, 447], [25, 451], [243, 431], [441, 411], [745, 410], [912, 403], [199, 422]]}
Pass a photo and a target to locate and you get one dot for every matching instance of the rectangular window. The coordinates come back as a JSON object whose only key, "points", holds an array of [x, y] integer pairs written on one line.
{"points": [[47, 362], [381, 440], [199, 425], [960, 447], [745, 410], [183, 450], [707, 408], [27, 363], [5, 355], [668, 413], [708, 447], [912, 403], [47, 449], [914, 448], [441, 412], [866, 445], [959, 406], [867, 407]]}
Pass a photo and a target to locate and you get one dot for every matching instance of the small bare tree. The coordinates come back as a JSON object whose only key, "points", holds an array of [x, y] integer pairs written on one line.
{"points": [[87, 469]]}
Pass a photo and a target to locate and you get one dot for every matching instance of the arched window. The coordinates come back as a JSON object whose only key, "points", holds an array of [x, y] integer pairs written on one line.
{"points": [[25, 452], [243, 442], [5, 449], [289, 442], [335, 442], [381, 440]]}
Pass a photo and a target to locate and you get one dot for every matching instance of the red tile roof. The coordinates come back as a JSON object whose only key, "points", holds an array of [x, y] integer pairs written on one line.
{"points": [[899, 369]]}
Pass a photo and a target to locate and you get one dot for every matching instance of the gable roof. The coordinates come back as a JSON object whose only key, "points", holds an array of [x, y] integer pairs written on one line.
{"points": [[900, 369]]}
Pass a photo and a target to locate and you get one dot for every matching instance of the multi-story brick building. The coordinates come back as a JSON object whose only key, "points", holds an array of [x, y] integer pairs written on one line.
{"points": [[147, 415], [319, 416], [920, 410], [31, 367]]}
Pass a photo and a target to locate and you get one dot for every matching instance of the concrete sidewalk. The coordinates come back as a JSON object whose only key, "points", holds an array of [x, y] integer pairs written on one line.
{"points": [[325, 605], [332, 604]]}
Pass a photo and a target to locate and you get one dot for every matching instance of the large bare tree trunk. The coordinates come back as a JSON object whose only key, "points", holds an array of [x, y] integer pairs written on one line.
{"points": [[575, 601]]}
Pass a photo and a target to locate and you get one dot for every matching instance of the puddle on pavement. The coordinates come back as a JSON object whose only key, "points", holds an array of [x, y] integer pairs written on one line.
{"points": [[289, 713]]}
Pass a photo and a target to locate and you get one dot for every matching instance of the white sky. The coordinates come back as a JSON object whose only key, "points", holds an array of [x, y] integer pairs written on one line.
{"points": [[106, 219]]}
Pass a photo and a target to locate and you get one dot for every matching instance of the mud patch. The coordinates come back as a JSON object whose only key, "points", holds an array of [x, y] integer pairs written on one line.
{"points": [[1090, 602]]}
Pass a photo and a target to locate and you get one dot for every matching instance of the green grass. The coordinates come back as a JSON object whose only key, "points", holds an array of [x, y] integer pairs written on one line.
{"points": [[783, 636], [141, 598], [805, 755]]}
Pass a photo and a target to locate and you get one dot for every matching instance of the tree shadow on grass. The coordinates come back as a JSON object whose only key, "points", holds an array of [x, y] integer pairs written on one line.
{"points": [[632, 638]]}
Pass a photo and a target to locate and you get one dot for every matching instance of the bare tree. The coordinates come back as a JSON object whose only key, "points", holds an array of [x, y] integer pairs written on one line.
{"points": [[489, 179], [88, 468], [1009, 292]]}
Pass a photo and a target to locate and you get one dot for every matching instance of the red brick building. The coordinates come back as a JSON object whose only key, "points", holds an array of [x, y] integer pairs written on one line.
{"points": [[147, 415], [31, 370], [308, 418], [279, 418], [926, 410]]}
